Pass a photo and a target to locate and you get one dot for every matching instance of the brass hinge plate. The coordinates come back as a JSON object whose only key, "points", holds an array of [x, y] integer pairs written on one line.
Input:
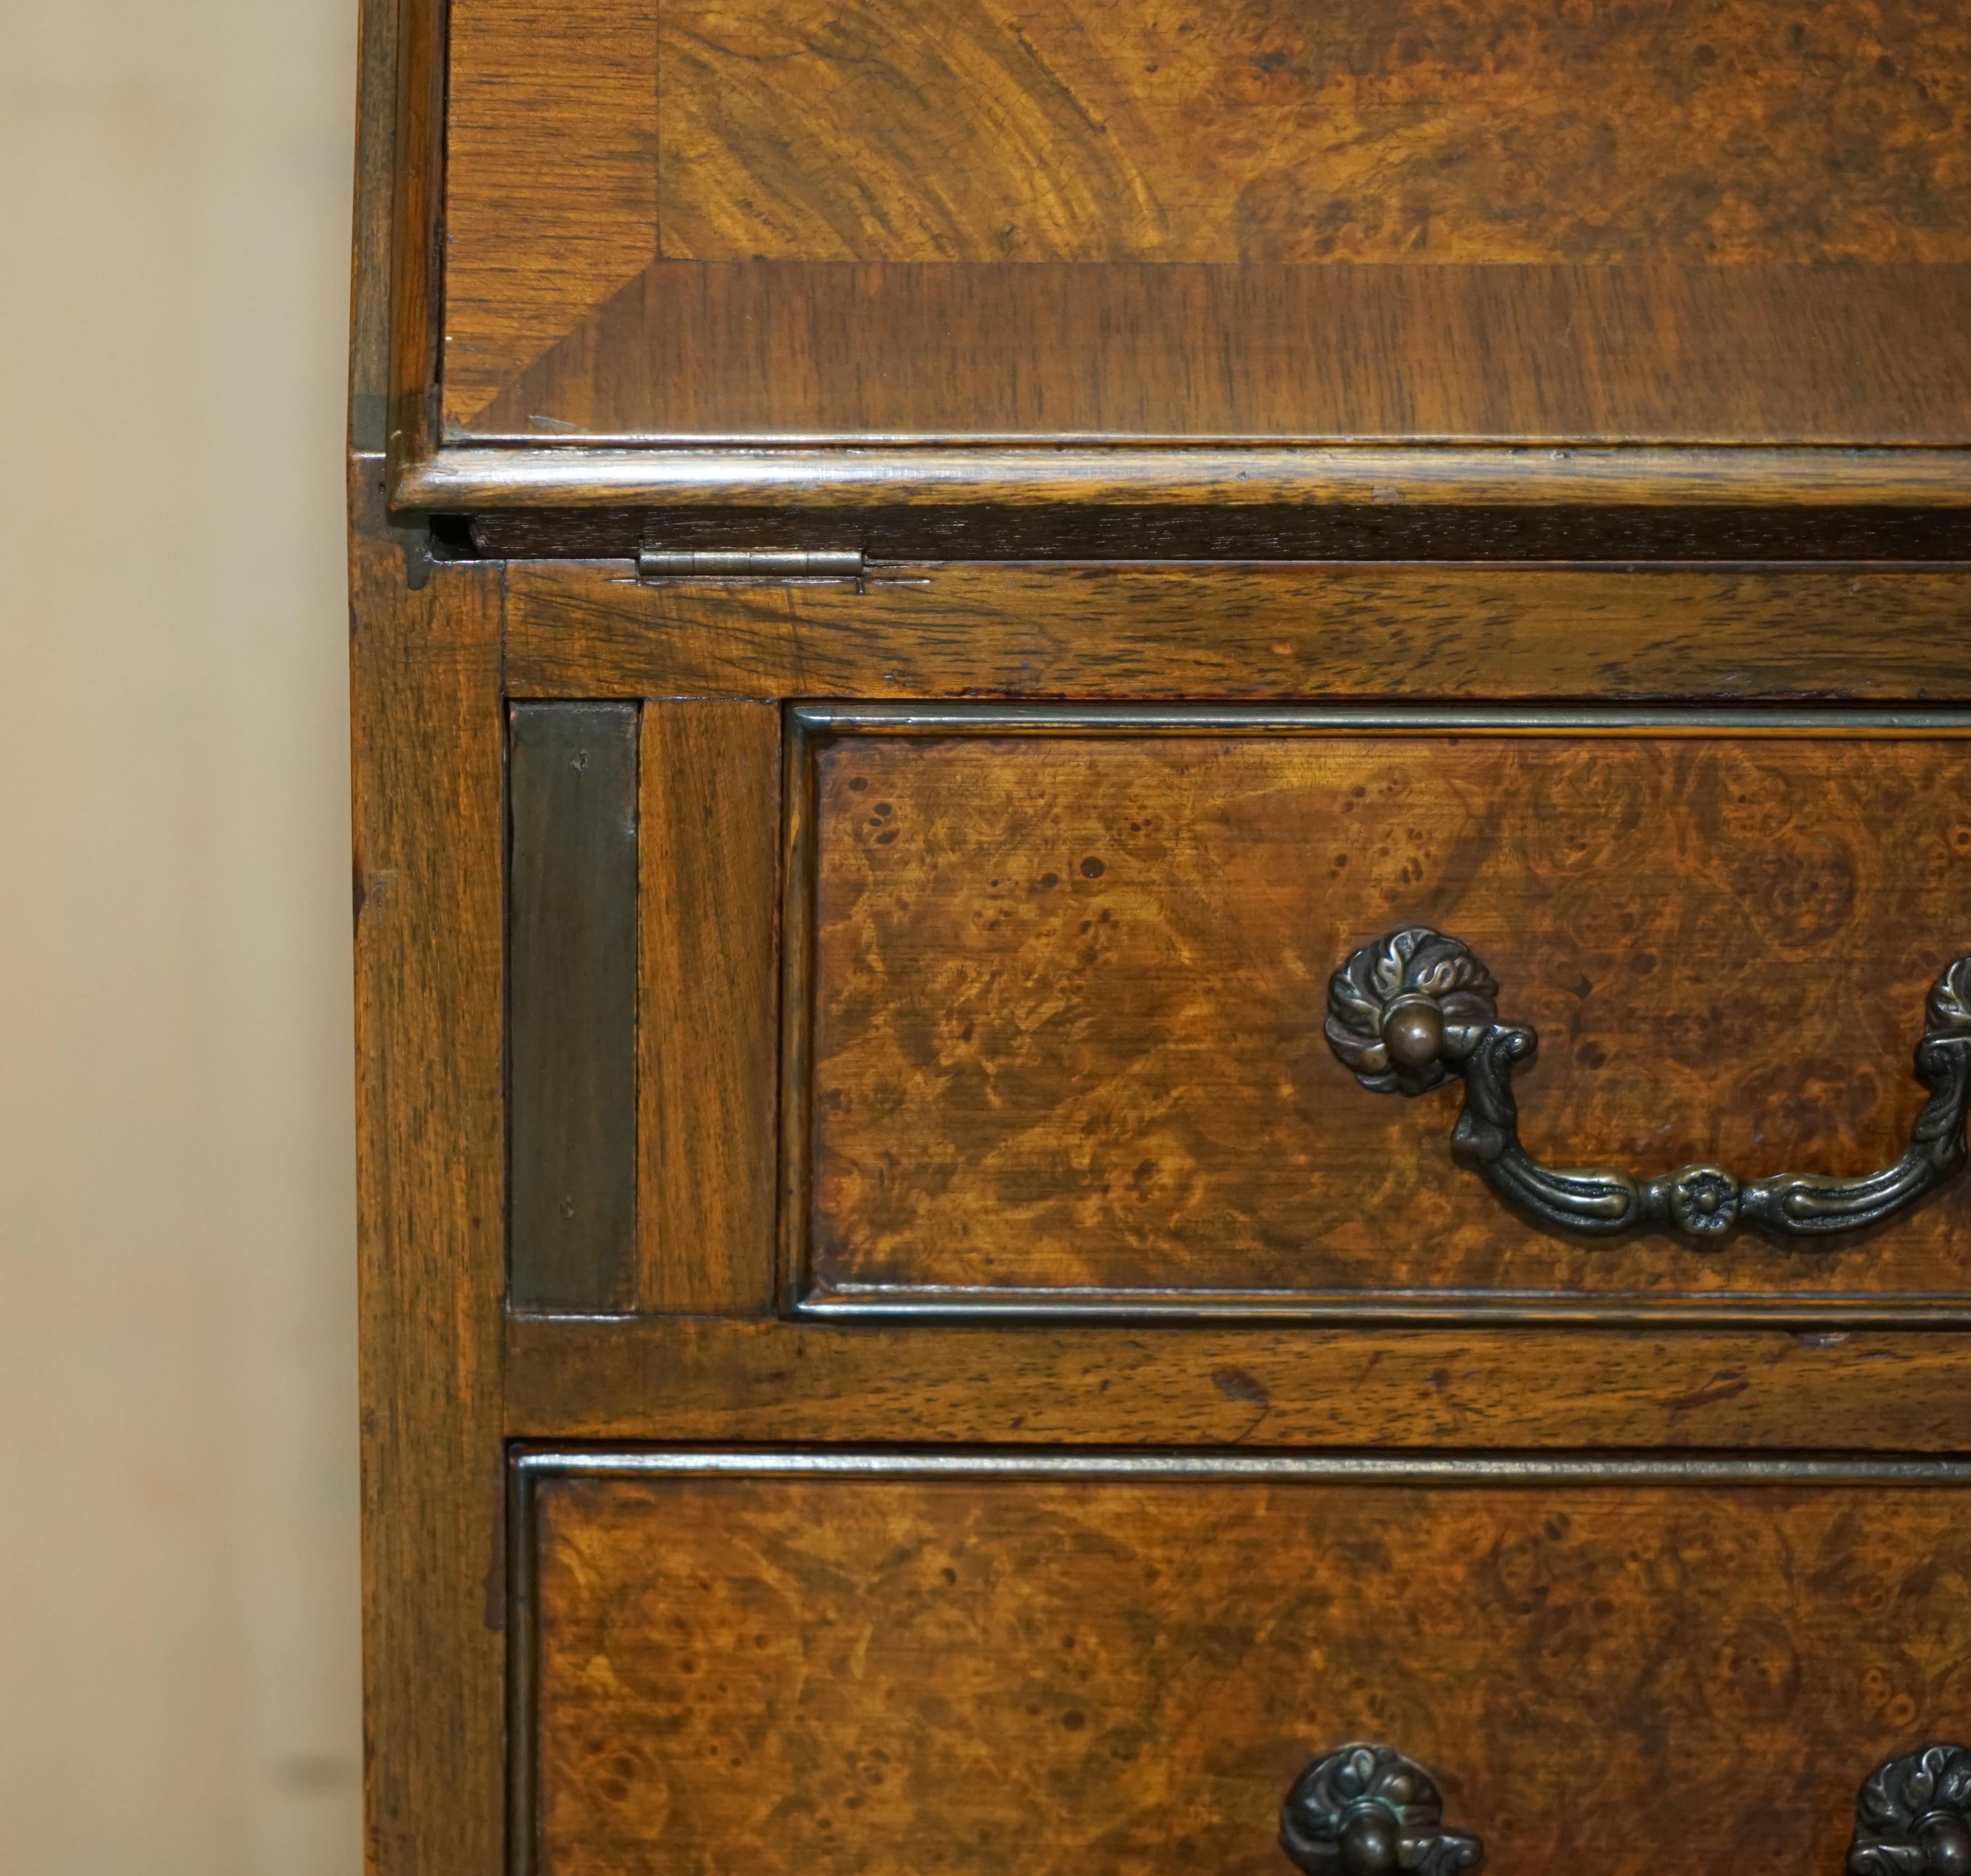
{"points": [[654, 563]]}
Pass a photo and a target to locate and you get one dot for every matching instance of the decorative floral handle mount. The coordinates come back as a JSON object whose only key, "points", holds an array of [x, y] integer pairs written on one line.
{"points": [[1411, 1012], [1366, 1810], [1913, 1817]]}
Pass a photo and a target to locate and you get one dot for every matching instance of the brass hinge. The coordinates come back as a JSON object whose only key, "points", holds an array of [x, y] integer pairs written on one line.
{"points": [[654, 563]]}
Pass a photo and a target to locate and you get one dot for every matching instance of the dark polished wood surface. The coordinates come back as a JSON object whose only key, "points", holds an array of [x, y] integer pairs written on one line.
{"points": [[571, 942]]}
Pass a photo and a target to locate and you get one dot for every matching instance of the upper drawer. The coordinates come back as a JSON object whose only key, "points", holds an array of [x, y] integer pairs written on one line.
{"points": [[856, 220], [1073, 1023]]}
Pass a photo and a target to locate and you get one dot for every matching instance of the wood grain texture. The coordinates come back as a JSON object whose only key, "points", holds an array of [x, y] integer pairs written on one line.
{"points": [[1306, 502], [550, 179], [369, 311], [1267, 132], [1019, 483], [707, 1036], [868, 219], [572, 1005], [1421, 634], [985, 1676], [1682, 354], [429, 839], [411, 93], [1683, 1389], [1067, 996]]}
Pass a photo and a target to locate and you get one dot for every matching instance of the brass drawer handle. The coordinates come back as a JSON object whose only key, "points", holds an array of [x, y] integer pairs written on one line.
{"points": [[1410, 1012], [1366, 1810], [1913, 1817]]}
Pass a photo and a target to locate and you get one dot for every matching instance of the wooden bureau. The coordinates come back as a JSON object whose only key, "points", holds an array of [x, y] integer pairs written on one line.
{"points": [[1163, 879]]}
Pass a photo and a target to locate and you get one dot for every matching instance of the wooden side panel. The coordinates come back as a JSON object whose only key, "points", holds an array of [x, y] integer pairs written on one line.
{"points": [[428, 862], [1068, 995], [709, 1038], [1029, 1679], [572, 937], [1497, 634], [550, 177], [1270, 131]]}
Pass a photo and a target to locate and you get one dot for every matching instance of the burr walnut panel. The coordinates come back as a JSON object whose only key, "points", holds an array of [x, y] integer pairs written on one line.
{"points": [[1026, 1675], [1067, 990], [1272, 132]]}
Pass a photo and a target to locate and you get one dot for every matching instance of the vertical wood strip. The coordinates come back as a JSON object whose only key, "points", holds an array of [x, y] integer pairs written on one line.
{"points": [[417, 164], [572, 951], [551, 178], [708, 1045], [428, 857]]}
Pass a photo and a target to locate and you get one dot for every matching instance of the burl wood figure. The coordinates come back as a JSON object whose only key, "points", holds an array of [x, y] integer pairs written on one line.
{"points": [[1163, 884]]}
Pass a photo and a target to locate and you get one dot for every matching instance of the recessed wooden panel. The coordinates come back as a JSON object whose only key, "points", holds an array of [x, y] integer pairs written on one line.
{"points": [[571, 1015], [984, 1673], [1272, 131], [1068, 990]]}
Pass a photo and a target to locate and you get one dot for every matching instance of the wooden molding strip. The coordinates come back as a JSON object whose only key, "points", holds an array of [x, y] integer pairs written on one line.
{"points": [[897, 476]]}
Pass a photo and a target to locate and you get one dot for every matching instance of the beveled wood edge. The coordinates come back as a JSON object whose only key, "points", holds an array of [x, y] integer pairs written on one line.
{"points": [[524, 1650], [417, 236], [1496, 1308], [396, 273], [1365, 1467], [798, 742], [819, 721], [372, 209], [1072, 475]]}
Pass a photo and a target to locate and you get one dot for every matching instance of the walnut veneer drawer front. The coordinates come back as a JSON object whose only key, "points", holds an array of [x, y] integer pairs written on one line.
{"points": [[1067, 1030], [818, 1663]]}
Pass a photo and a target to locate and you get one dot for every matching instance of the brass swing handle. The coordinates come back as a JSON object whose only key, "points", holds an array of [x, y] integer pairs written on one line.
{"points": [[1412, 1011], [1366, 1809]]}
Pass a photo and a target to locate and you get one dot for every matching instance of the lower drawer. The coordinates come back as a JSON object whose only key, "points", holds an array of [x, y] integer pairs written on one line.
{"points": [[828, 1663]]}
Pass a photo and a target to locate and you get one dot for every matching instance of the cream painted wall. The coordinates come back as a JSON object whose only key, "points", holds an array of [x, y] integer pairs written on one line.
{"points": [[178, 1676]]}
